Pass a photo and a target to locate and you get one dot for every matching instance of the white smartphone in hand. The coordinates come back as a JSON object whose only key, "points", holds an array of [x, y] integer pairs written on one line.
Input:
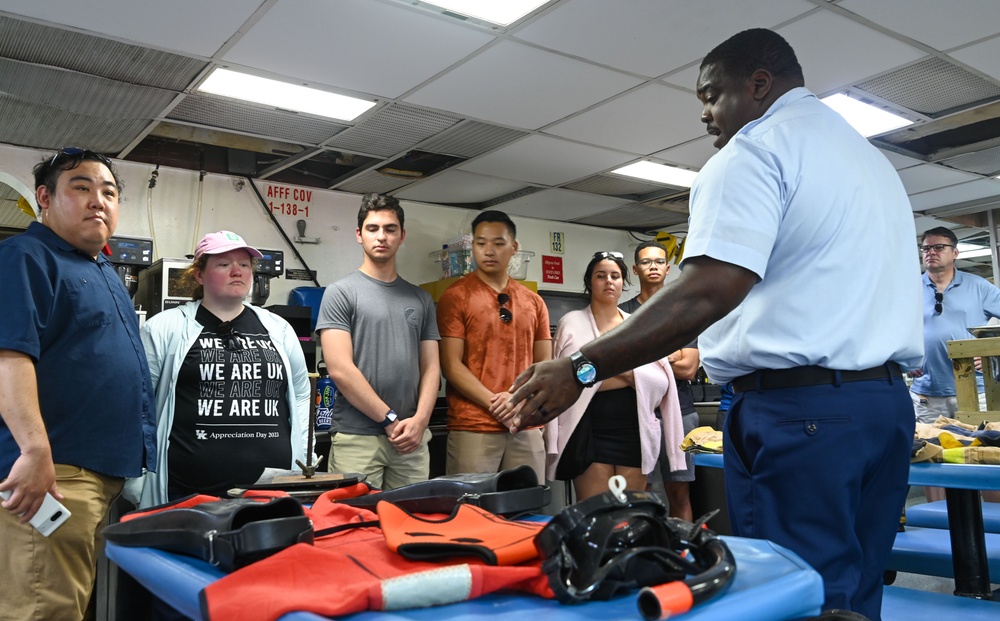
{"points": [[50, 516]]}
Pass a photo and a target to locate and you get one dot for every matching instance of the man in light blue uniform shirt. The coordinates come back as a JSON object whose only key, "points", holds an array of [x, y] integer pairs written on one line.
{"points": [[953, 302], [778, 280]]}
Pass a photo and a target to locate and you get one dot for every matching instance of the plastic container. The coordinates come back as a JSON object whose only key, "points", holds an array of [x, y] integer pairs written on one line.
{"points": [[518, 268], [459, 262], [454, 261]]}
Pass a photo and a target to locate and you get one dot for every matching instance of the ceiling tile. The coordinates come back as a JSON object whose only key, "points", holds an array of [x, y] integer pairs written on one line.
{"points": [[544, 160], [365, 46], [457, 186], [371, 181], [868, 52], [931, 176], [254, 119], [900, 162], [984, 56], [941, 25], [189, 26], [48, 127], [932, 87], [616, 185], [470, 138], [956, 194], [985, 162], [652, 37], [641, 121], [495, 86], [637, 217], [559, 204], [694, 154], [89, 54], [392, 130]]}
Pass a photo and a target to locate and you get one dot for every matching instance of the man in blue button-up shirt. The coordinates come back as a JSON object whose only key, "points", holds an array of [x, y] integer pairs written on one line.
{"points": [[76, 413], [953, 302]]}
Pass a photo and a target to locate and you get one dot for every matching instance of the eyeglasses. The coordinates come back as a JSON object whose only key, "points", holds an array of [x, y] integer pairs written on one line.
{"points": [[936, 248], [938, 302], [76, 151], [506, 315], [605, 254], [648, 262]]}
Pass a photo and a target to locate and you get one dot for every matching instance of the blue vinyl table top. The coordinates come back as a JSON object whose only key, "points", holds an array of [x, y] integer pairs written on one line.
{"points": [[771, 584]]}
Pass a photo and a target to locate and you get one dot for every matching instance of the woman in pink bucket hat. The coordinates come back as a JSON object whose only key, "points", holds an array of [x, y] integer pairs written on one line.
{"points": [[231, 383]]}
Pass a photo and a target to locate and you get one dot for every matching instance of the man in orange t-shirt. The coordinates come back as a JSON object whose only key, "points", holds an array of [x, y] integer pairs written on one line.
{"points": [[492, 327]]}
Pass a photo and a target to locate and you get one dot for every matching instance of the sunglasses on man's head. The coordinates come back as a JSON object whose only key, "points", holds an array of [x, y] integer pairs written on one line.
{"points": [[506, 315], [69, 152]]}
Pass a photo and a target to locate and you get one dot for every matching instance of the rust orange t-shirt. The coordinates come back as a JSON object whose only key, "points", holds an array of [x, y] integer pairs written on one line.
{"points": [[495, 352]]}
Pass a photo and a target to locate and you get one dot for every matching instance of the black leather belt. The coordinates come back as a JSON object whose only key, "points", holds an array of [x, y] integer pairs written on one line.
{"points": [[769, 379]]}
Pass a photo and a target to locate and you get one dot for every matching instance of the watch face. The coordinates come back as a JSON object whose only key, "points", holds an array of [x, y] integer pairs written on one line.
{"points": [[586, 373]]}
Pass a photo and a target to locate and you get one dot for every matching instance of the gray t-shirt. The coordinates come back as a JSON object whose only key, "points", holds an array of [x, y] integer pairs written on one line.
{"points": [[387, 322]]}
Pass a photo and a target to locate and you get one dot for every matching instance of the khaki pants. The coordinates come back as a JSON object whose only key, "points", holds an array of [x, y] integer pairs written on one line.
{"points": [[375, 457], [51, 578], [470, 452]]}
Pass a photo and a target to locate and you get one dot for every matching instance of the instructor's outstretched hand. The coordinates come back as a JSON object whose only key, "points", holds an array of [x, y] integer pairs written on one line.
{"points": [[544, 390]]}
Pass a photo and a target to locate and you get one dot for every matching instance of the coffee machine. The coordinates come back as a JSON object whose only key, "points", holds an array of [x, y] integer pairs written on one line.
{"points": [[130, 256], [268, 266]]}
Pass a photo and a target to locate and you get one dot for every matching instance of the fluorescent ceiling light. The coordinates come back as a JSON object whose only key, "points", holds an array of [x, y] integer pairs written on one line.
{"points": [[660, 173], [867, 119], [971, 251], [284, 95], [500, 12]]}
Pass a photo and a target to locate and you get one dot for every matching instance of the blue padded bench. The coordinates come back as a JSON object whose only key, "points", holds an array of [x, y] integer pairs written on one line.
{"points": [[900, 604], [928, 551], [935, 515]]}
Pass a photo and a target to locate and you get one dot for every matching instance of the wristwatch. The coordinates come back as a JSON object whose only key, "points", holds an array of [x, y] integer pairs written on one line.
{"points": [[584, 370], [389, 419]]}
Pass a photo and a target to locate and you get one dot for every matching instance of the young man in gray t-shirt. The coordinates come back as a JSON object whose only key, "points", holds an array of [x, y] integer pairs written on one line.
{"points": [[380, 344]]}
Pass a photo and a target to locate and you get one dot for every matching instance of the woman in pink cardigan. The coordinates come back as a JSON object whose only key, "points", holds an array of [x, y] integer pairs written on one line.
{"points": [[614, 427]]}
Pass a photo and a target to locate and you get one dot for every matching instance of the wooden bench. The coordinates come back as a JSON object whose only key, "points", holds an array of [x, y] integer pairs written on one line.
{"points": [[935, 515]]}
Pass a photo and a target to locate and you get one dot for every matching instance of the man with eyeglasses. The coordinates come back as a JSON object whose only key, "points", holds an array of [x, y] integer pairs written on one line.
{"points": [[380, 344], [76, 404], [491, 328], [652, 267], [953, 302], [778, 281]]}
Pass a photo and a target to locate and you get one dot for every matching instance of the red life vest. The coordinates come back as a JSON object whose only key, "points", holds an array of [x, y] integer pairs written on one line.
{"points": [[353, 569]]}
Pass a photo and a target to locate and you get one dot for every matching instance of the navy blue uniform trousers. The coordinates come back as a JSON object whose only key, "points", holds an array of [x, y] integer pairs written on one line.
{"points": [[822, 471]]}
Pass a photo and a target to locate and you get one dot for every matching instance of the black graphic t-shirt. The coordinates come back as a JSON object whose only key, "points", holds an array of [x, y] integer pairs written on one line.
{"points": [[231, 418]]}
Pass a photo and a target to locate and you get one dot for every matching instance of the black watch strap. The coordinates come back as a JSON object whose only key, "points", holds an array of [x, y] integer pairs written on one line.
{"points": [[583, 370], [390, 418]]}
